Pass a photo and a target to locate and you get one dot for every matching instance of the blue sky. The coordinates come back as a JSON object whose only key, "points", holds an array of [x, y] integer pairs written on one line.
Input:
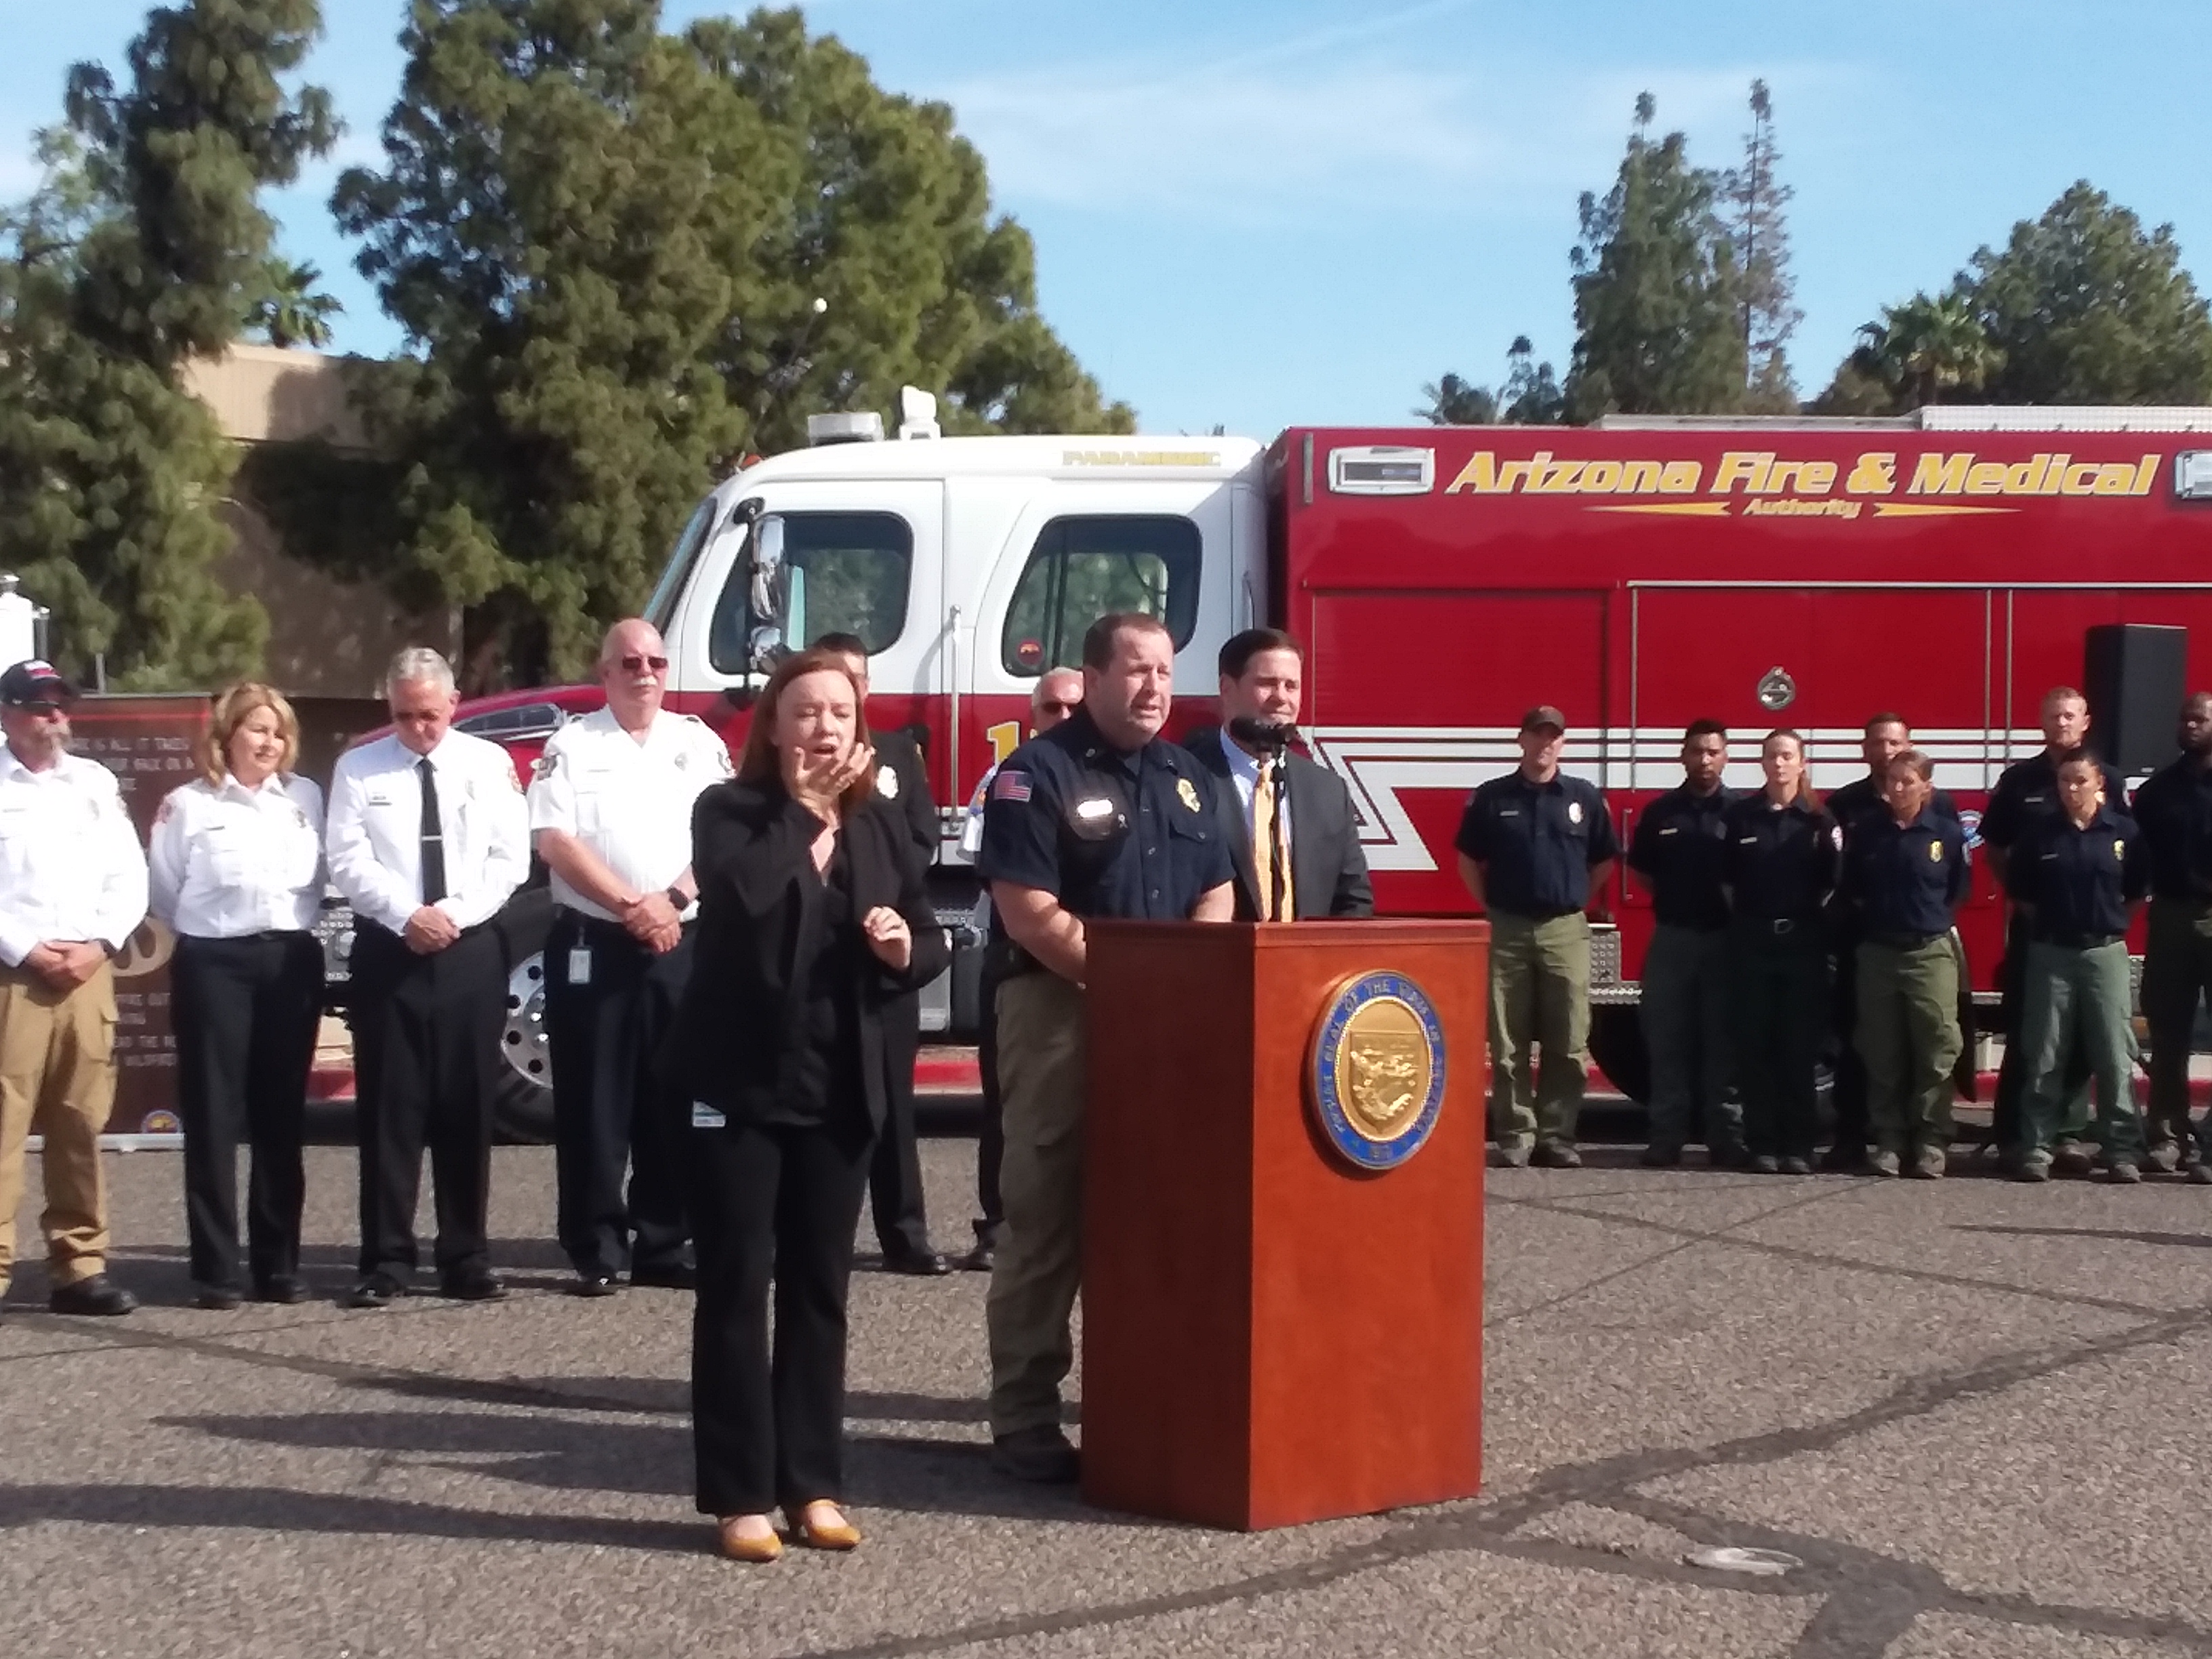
{"points": [[1264, 212]]}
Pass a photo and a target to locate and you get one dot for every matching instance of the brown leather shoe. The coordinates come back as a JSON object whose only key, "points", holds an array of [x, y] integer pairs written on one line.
{"points": [[818, 1534], [730, 1544]]}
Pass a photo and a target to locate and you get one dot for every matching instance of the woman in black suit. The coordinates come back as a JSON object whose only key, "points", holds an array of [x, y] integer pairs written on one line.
{"points": [[811, 917]]}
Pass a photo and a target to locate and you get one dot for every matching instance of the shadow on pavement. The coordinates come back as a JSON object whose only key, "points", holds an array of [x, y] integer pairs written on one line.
{"points": [[2115, 1234]]}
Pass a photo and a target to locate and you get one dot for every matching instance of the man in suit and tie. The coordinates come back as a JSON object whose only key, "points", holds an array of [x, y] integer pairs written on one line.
{"points": [[1288, 819]]}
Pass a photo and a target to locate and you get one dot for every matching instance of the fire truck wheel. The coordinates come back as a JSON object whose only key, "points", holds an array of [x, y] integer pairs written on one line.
{"points": [[522, 1111], [1616, 1043]]}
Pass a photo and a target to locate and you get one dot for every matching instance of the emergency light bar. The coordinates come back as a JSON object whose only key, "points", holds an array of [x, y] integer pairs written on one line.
{"points": [[1381, 469]]}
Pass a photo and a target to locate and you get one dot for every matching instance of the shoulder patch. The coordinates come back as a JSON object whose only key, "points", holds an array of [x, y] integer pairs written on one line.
{"points": [[547, 764], [1011, 785]]}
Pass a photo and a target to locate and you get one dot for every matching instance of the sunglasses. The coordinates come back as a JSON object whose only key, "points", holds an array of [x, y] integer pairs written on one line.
{"points": [[42, 708], [1057, 707], [637, 665]]}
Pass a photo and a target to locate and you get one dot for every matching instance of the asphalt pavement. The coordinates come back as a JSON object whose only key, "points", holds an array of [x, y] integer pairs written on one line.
{"points": [[1972, 1414]]}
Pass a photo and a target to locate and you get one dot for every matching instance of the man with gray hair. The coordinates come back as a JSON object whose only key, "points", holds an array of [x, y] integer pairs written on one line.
{"points": [[428, 837]]}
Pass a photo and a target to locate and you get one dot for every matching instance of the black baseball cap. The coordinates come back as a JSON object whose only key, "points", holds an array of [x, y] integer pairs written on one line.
{"points": [[1541, 715], [33, 681]]}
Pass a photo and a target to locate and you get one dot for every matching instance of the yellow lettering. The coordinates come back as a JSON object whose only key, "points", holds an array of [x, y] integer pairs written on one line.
{"points": [[2054, 473], [1680, 478], [1600, 478], [2080, 480], [1816, 478], [1745, 466], [1479, 475], [1006, 737], [1940, 474], [1986, 478], [2026, 477], [1873, 473], [2146, 475], [1557, 479], [1639, 477], [2118, 479]]}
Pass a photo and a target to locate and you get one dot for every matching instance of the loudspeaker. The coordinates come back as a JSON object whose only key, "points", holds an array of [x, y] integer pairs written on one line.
{"points": [[2134, 676]]}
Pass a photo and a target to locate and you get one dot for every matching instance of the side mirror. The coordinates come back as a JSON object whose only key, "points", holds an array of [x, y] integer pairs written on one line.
{"points": [[768, 595]]}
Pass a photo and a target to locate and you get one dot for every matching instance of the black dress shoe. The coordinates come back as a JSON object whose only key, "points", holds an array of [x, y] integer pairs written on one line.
{"points": [[923, 1264], [1041, 1455], [377, 1290], [97, 1297], [474, 1285], [668, 1276], [981, 1259], [216, 1299], [285, 1288], [593, 1284]]}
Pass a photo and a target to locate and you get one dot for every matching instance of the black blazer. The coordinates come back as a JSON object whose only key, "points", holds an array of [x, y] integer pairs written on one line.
{"points": [[911, 803], [1325, 855], [759, 906]]}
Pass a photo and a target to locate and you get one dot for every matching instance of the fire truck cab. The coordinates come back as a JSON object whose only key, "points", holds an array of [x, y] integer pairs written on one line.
{"points": [[1639, 574]]}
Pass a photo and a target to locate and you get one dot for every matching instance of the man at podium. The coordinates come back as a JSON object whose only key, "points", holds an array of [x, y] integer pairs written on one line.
{"points": [[1288, 820], [1101, 816]]}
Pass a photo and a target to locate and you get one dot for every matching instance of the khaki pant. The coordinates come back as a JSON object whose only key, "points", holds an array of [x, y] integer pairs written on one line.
{"points": [[1039, 1265], [1909, 1037], [1539, 997], [2074, 1005], [56, 1076]]}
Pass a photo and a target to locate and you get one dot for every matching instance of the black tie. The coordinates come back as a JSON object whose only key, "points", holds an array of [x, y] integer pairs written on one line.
{"points": [[433, 835]]}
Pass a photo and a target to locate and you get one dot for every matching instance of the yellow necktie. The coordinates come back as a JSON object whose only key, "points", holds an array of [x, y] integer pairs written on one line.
{"points": [[1270, 866]]}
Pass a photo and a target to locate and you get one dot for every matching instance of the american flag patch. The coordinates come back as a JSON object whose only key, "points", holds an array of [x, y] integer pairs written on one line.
{"points": [[1011, 785]]}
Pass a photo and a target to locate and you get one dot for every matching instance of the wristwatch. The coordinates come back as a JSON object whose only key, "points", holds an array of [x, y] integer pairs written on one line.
{"points": [[675, 896]]}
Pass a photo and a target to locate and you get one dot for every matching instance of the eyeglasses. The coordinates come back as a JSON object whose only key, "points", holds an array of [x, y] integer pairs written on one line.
{"points": [[637, 665], [1056, 707]]}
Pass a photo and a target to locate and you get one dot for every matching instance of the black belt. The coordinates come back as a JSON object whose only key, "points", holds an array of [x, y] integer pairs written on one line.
{"points": [[2078, 941], [1906, 941], [1536, 915], [1779, 926], [1002, 960]]}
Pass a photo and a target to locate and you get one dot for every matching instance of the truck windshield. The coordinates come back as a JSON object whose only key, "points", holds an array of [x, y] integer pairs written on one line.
{"points": [[661, 609], [1081, 570], [850, 573]]}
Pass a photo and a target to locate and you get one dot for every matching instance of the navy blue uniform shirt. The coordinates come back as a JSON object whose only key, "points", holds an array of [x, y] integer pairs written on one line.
{"points": [[1906, 878], [2174, 807], [1781, 860], [2080, 881], [1130, 836], [2026, 793], [1677, 848], [1536, 843], [1861, 798]]}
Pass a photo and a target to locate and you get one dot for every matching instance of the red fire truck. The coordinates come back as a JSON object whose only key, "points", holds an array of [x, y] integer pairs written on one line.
{"points": [[1638, 573]]}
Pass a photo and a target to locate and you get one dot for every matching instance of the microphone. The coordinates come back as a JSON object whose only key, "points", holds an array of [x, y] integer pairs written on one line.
{"points": [[1273, 735]]}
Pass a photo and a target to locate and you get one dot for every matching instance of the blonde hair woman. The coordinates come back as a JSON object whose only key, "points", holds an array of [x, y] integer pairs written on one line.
{"points": [[237, 874]]}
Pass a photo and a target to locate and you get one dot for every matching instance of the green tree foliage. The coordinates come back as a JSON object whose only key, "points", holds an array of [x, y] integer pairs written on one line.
{"points": [[1755, 203], [622, 258], [145, 247], [293, 312], [1528, 396], [2085, 306], [1657, 288], [1927, 351]]}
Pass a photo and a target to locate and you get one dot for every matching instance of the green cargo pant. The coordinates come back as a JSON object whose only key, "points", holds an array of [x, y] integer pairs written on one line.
{"points": [[1039, 1265], [2176, 973], [1909, 1038], [1687, 1031], [1539, 998], [2077, 1006], [1781, 1008]]}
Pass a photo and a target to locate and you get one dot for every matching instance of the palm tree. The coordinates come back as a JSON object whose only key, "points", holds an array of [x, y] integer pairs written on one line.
{"points": [[291, 312], [1928, 347]]}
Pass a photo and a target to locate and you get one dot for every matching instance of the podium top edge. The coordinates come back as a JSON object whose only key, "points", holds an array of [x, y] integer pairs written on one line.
{"points": [[1284, 935]]}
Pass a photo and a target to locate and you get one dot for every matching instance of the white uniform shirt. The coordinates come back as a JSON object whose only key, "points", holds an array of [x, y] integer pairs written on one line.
{"points": [[228, 861], [375, 835], [629, 802], [70, 867], [1244, 773]]}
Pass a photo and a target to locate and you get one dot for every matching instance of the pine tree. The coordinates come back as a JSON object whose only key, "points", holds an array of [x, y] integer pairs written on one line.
{"points": [[1756, 200], [145, 247], [1656, 289]]}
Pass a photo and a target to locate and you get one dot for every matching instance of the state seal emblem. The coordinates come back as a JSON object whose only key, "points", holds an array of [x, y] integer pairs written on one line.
{"points": [[1377, 1070]]}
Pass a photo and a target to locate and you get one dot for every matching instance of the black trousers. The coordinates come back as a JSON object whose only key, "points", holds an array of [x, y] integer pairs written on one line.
{"points": [[895, 1178], [991, 1141], [245, 1013], [610, 1106], [1848, 1094], [771, 1205], [426, 1065]]}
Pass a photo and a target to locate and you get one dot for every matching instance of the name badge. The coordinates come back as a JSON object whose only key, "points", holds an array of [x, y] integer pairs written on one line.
{"points": [[704, 1116], [580, 965]]}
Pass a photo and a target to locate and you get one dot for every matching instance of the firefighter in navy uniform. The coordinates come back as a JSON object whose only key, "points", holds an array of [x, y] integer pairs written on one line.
{"points": [[1101, 816], [1904, 876], [2174, 809], [1780, 868], [1886, 734], [1536, 847], [2026, 796], [1678, 848], [2077, 877]]}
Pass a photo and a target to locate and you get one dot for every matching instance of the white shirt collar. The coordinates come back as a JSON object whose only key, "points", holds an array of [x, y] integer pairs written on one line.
{"points": [[1244, 766]]}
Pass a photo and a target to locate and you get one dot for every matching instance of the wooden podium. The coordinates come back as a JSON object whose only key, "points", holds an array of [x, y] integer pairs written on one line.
{"points": [[1271, 1333]]}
